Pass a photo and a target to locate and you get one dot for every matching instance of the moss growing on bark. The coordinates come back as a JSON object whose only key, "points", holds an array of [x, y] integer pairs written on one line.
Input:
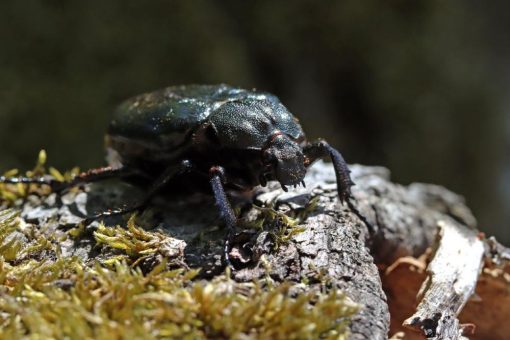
{"points": [[134, 290]]}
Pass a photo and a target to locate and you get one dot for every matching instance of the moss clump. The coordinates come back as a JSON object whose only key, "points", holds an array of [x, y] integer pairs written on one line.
{"points": [[44, 295], [282, 227], [134, 244]]}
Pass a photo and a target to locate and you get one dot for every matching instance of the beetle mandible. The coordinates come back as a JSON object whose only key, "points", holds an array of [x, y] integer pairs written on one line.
{"points": [[230, 137]]}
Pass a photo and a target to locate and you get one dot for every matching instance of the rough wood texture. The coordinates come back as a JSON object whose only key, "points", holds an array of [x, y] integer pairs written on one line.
{"points": [[402, 221]]}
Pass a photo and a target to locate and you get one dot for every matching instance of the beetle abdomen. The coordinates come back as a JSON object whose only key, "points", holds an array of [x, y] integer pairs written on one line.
{"points": [[161, 119]]}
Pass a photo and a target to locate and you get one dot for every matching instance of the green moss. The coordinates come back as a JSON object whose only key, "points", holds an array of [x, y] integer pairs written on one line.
{"points": [[56, 297], [282, 227], [134, 244], [44, 295]]}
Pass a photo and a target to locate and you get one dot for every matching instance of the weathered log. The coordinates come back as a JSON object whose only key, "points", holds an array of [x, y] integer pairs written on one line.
{"points": [[333, 241]]}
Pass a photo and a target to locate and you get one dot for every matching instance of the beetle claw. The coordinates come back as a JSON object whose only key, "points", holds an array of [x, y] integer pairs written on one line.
{"points": [[303, 183], [284, 188]]}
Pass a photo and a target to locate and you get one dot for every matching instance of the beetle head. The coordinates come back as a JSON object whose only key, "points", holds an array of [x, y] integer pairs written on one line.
{"points": [[285, 160]]}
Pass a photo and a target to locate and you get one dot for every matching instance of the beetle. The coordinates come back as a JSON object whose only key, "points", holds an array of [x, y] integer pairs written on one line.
{"points": [[228, 137]]}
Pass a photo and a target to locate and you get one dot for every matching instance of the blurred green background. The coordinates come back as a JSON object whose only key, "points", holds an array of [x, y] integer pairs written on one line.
{"points": [[417, 86]]}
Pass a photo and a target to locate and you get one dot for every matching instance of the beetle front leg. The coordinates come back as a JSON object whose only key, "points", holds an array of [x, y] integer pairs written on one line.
{"points": [[217, 175], [321, 149]]}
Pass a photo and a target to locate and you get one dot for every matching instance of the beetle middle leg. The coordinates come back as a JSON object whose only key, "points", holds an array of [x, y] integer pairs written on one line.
{"points": [[217, 175], [322, 149], [160, 182]]}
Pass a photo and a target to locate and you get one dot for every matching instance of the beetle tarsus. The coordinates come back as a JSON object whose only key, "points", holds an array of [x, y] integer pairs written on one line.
{"points": [[89, 176], [53, 184], [355, 210]]}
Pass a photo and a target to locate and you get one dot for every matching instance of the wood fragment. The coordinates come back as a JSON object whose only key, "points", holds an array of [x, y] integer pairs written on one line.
{"points": [[497, 254], [452, 277]]}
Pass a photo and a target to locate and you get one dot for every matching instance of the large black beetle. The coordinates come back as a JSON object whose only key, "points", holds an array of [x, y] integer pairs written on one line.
{"points": [[233, 138]]}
